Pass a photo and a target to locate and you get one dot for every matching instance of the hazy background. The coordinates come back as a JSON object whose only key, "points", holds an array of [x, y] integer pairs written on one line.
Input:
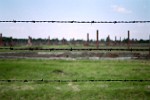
{"points": [[77, 10]]}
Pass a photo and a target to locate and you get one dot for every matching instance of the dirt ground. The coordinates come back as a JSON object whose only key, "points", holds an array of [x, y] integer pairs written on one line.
{"points": [[75, 55]]}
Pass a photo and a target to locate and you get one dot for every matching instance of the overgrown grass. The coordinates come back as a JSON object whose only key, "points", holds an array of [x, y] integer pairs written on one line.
{"points": [[78, 69], [76, 91], [84, 69]]}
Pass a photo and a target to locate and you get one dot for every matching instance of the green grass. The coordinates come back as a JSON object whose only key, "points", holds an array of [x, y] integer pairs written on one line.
{"points": [[84, 69], [75, 91], [23, 69]]}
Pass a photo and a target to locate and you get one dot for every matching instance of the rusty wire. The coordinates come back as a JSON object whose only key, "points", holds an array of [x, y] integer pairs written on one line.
{"points": [[46, 21], [92, 80], [77, 49]]}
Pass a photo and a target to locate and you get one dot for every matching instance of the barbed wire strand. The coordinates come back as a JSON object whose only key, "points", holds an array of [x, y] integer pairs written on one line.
{"points": [[77, 49], [92, 80], [37, 21]]}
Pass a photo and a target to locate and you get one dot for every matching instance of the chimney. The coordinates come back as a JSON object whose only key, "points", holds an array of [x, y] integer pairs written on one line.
{"points": [[87, 39], [97, 39], [128, 39]]}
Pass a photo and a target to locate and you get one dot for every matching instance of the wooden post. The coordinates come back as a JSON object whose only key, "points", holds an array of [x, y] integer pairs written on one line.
{"points": [[1, 40], [128, 39], [97, 39]]}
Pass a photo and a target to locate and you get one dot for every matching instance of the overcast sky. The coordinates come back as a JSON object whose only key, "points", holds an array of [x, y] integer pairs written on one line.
{"points": [[77, 10]]}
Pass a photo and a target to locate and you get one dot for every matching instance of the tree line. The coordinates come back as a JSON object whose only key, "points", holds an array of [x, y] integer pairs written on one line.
{"points": [[7, 41]]}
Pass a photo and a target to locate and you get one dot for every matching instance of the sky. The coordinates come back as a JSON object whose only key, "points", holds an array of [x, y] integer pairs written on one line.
{"points": [[77, 10]]}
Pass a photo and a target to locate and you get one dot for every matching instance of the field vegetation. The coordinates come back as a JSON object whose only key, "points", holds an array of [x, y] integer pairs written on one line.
{"points": [[36, 69]]}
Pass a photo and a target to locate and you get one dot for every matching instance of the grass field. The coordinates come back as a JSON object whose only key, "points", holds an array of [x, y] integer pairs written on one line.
{"points": [[24, 69]]}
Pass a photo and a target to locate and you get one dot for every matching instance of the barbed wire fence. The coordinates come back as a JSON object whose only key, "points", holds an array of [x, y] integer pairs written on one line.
{"points": [[71, 49], [79, 49]]}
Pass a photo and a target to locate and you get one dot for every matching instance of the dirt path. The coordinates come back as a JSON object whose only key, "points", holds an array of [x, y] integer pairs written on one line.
{"points": [[73, 55]]}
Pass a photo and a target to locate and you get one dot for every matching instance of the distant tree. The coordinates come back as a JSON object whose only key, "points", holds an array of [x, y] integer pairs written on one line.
{"points": [[143, 41], [108, 40], [102, 40], [72, 41], [125, 40]]}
